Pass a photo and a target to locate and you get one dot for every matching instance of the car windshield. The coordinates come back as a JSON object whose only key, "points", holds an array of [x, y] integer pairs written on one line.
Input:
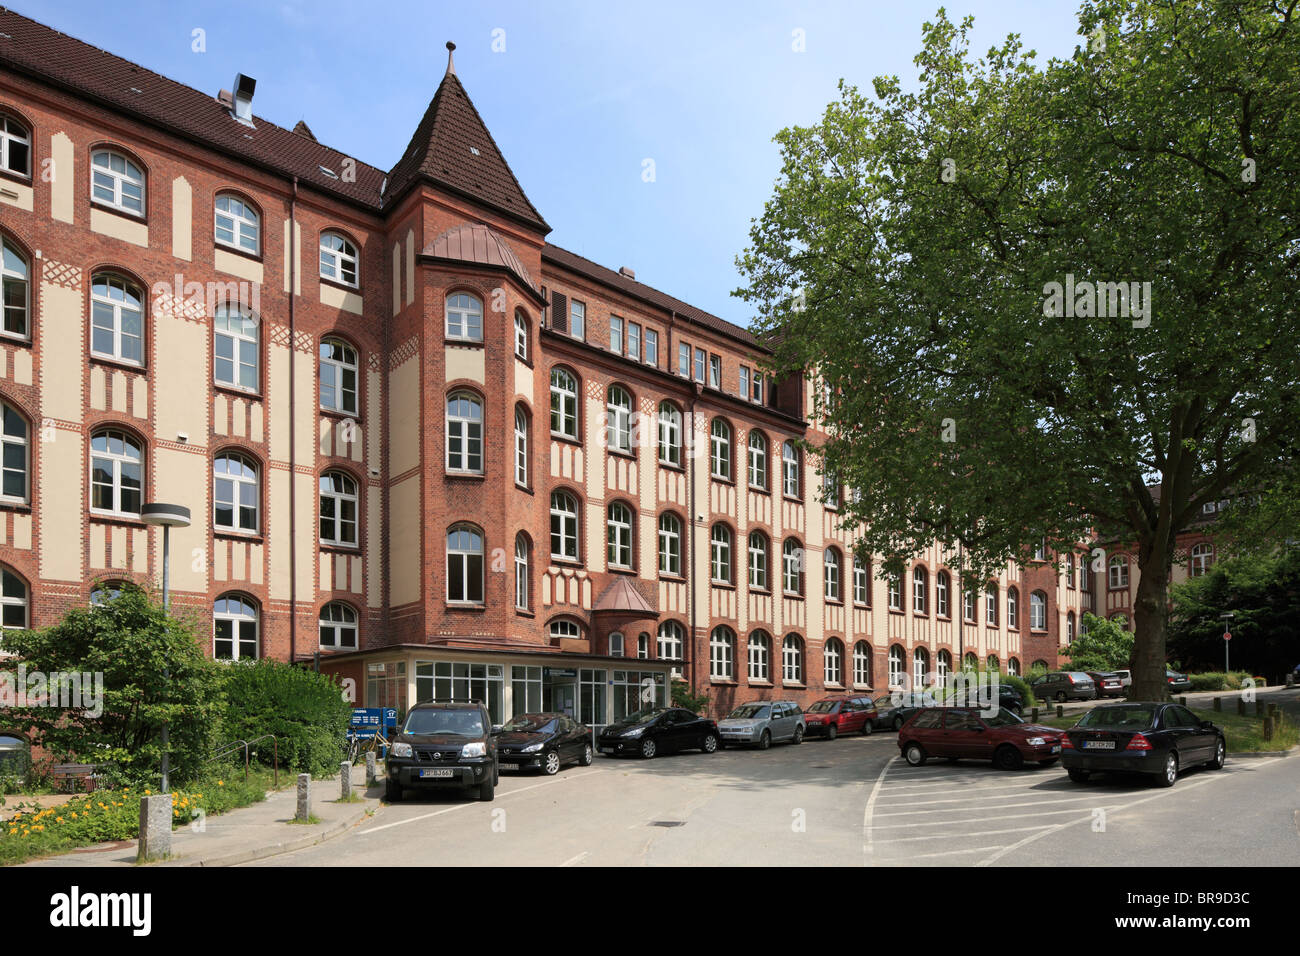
{"points": [[1003, 718], [749, 712], [458, 723], [824, 707], [530, 724], [1126, 716]]}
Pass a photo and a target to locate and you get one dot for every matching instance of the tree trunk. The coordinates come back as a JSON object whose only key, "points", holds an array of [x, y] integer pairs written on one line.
{"points": [[1150, 619]]}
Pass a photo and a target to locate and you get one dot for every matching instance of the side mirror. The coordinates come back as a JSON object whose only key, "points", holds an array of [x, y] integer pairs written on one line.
{"points": [[496, 729], [1207, 725]]}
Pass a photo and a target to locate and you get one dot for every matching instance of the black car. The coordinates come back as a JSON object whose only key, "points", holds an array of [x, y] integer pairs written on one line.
{"points": [[443, 744], [1159, 739], [648, 733], [893, 710], [544, 741], [979, 695]]}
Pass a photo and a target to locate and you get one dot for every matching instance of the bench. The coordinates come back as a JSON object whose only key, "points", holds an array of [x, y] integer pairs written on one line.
{"points": [[69, 774]]}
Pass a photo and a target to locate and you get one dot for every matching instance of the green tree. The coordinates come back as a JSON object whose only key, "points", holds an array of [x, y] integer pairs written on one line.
{"points": [[909, 255], [1101, 645], [126, 643]]}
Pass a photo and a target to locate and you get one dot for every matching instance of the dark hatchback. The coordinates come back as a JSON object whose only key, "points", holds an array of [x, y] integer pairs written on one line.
{"points": [[894, 710], [648, 733], [443, 744], [544, 742], [1158, 738]]}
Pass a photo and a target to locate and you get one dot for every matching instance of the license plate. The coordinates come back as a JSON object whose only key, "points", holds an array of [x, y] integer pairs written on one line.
{"points": [[438, 773], [606, 750], [1099, 745], [1056, 749]]}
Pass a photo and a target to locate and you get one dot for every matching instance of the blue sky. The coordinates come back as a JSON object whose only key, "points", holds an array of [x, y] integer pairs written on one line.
{"points": [[582, 94]]}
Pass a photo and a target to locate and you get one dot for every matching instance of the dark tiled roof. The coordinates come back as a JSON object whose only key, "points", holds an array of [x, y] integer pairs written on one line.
{"points": [[639, 290]]}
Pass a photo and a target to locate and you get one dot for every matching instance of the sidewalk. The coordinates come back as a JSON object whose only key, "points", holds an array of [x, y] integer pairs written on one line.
{"points": [[1287, 696], [247, 834]]}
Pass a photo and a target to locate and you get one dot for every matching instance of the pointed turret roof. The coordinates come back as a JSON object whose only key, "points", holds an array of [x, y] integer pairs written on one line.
{"points": [[453, 149]]}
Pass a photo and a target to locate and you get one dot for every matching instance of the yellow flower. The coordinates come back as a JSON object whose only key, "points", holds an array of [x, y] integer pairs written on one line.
{"points": [[39, 826], [101, 805], [221, 783], [58, 819], [13, 831], [148, 792], [126, 789]]}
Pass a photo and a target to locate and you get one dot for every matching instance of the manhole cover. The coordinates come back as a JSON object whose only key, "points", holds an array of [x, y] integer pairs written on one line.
{"points": [[668, 823]]}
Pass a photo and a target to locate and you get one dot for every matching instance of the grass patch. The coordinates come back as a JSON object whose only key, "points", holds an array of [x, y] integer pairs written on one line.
{"points": [[1243, 734], [311, 819], [352, 798]]}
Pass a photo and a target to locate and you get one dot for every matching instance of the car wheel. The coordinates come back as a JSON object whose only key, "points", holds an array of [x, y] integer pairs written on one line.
{"points": [[587, 756], [551, 763], [898, 723], [392, 790], [866, 728], [709, 744], [487, 791], [1060, 697], [915, 754], [1017, 709], [1008, 758], [1220, 755], [765, 741], [1169, 775], [832, 731], [648, 749], [798, 736], [1079, 776]]}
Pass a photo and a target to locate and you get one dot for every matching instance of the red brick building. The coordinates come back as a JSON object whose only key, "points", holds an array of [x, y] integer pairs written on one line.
{"points": [[417, 439]]}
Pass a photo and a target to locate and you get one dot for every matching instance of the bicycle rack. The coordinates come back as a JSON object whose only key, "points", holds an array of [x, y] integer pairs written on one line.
{"points": [[244, 745]]}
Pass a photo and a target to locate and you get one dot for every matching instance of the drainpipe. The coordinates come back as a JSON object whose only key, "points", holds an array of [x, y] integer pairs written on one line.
{"points": [[690, 498], [293, 482]]}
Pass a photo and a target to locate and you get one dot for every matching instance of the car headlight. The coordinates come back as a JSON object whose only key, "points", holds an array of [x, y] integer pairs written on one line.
{"points": [[634, 732], [533, 748], [401, 750], [476, 749], [1036, 741]]}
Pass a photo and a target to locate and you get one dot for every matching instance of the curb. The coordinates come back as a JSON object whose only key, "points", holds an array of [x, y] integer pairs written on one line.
{"points": [[1266, 753], [275, 849]]}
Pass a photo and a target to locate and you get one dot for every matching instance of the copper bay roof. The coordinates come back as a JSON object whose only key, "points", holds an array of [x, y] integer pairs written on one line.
{"points": [[622, 598], [479, 244]]}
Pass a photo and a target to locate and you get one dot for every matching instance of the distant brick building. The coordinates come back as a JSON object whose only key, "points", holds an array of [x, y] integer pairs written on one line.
{"points": [[418, 440]]}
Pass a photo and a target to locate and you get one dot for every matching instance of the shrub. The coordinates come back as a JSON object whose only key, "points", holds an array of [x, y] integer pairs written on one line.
{"points": [[303, 709]]}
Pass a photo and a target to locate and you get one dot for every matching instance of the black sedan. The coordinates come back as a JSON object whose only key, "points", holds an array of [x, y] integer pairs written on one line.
{"points": [[544, 742], [893, 710], [1159, 739], [648, 733]]}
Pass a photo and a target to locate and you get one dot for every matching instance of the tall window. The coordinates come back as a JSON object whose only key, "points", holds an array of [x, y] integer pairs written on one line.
{"points": [[116, 319], [464, 318], [521, 447], [683, 360], [720, 554], [652, 347], [338, 259], [13, 600], [722, 653], [464, 565], [338, 509], [1069, 627], [943, 666], [15, 147], [521, 336], [1202, 558], [1069, 570], [833, 661], [968, 605], [577, 319], [616, 334], [792, 566], [670, 641], [670, 544], [117, 182], [234, 348], [670, 434], [1038, 611], [465, 433], [1118, 568], [1013, 666], [234, 493], [618, 419], [941, 588], [920, 587], [920, 666], [116, 473], [338, 626], [861, 581], [757, 460], [760, 652], [521, 572], [790, 469], [991, 605], [720, 449], [699, 365], [14, 454], [237, 224], [993, 663], [758, 561], [1013, 608], [895, 666], [564, 403], [234, 628], [564, 526], [634, 341], [1040, 550], [831, 564], [895, 591], [619, 535], [715, 371], [792, 660], [338, 376], [862, 664], [14, 290]]}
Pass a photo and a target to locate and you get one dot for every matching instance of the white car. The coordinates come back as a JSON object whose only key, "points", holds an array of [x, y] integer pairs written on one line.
{"points": [[1125, 679]]}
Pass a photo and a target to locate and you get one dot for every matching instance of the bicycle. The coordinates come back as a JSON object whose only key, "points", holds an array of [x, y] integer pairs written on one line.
{"points": [[359, 745]]}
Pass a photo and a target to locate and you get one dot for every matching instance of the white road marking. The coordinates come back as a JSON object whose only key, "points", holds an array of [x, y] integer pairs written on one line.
{"points": [[967, 833], [968, 797], [871, 806], [977, 849], [1005, 816], [574, 860], [1005, 806]]}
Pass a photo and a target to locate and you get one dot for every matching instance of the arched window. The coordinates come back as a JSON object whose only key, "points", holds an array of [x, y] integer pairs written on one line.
{"points": [[564, 629], [991, 604], [943, 666], [722, 653], [464, 565], [760, 656], [235, 494], [618, 419], [465, 433], [116, 473], [643, 646], [792, 660], [234, 628], [792, 566], [564, 526], [117, 182], [720, 554], [619, 535], [941, 589], [237, 224], [116, 319], [920, 666], [895, 592], [831, 576], [464, 318], [920, 589], [15, 291], [1038, 611], [15, 454], [521, 447], [338, 259], [1069, 570], [106, 591], [670, 544], [720, 450], [1121, 619], [757, 460], [1040, 550], [1013, 666], [338, 626], [758, 563], [338, 509], [862, 664], [896, 666], [671, 641], [13, 600], [968, 605], [670, 434], [1069, 627], [522, 337], [338, 376], [1038, 665], [971, 662], [15, 147], [521, 571], [234, 348], [1118, 569], [1013, 608], [790, 483], [1202, 558], [861, 581], [833, 661], [993, 663], [616, 644], [564, 403]]}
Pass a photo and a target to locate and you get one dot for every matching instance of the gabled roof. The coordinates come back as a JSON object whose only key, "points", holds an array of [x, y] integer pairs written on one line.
{"points": [[479, 244]]}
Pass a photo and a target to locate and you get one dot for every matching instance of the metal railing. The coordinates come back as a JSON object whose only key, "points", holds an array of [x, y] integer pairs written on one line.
{"points": [[244, 745]]}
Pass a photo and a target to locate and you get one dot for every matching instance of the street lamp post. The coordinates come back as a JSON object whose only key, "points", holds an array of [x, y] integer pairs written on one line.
{"points": [[166, 516], [1226, 617]]}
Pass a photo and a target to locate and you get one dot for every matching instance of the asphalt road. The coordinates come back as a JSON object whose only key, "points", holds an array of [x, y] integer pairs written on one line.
{"points": [[850, 802]]}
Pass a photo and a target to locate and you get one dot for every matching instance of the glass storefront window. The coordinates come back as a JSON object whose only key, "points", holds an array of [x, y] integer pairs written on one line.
{"points": [[461, 680], [386, 685], [591, 697], [637, 690], [525, 690]]}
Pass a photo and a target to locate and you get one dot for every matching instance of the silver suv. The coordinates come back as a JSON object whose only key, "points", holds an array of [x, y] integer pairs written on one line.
{"points": [[761, 723]]}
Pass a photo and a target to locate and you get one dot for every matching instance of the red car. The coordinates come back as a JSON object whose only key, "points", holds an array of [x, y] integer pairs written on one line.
{"points": [[967, 733], [846, 714]]}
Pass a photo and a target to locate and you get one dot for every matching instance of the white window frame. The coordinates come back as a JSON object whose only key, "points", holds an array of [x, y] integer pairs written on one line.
{"points": [[578, 319], [240, 328], [340, 359], [1037, 611], [14, 276], [236, 619], [861, 664], [616, 326], [125, 186], [464, 317], [720, 548], [791, 486], [461, 539], [792, 554], [116, 463], [634, 341], [833, 662], [722, 653], [670, 641], [759, 656], [941, 589], [758, 561], [651, 341], [758, 446], [15, 432], [670, 434], [521, 337], [1201, 558], [920, 590], [861, 583], [564, 526], [340, 498], [339, 619], [831, 574], [720, 450], [1117, 572], [465, 433], [521, 572], [618, 419], [896, 666], [564, 403], [521, 447], [14, 593], [670, 544], [235, 215], [237, 484], [337, 253], [1013, 608], [120, 309], [618, 525], [791, 660], [12, 131]]}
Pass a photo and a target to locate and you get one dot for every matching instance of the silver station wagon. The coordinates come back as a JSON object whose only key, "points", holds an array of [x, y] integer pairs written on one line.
{"points": [[761, 723]]}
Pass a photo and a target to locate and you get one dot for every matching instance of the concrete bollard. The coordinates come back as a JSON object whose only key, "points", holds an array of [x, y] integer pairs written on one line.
{"points": [[345, 781], [1060, 711], [1241, 707], [1268, 727], [304, 797], [1183, 700], [155, 828], [1259, 707], [1218, 703], [1033, 716], [371, 770]]}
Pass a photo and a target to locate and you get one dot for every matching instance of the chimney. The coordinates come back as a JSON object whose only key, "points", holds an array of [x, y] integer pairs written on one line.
{"points": [[625, 271], [243, 96]]}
